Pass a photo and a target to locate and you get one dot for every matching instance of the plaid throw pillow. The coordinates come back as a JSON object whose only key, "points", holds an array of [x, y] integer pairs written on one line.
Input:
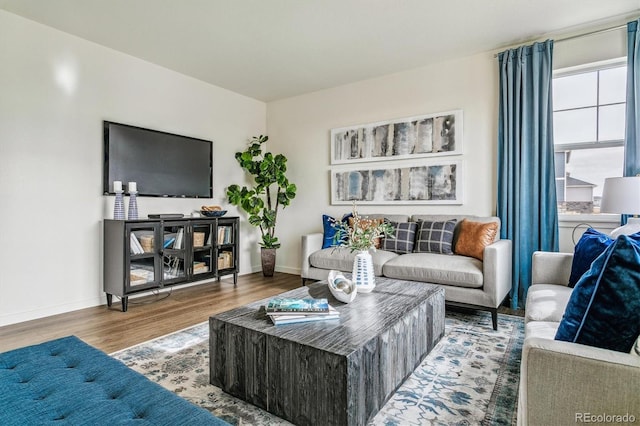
{"points": [[404, 238], [435, 237]]}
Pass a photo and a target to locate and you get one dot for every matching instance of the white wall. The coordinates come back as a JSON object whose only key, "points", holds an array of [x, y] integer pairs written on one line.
{"points": [[300, 128], [55, 90]]}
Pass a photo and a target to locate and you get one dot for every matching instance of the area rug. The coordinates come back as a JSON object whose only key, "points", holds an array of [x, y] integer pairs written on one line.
{"points": [[471, 376]]}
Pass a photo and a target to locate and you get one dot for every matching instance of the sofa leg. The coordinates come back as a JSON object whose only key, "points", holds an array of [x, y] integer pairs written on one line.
{"points": [[304, 281], [494, 318]]}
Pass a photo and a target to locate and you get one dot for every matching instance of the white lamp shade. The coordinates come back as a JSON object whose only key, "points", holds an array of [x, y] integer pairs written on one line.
{"points": [[621, 195]]}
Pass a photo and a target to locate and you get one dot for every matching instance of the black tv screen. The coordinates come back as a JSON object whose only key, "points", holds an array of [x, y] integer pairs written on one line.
{"points": [[162, 164]]}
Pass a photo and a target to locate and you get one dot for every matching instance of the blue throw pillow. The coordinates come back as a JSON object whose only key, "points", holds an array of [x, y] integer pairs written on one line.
{"points": [[591, 245], [330, 231], [604, 307]]}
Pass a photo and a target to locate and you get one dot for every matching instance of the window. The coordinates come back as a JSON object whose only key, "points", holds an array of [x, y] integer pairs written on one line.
{"points": [[588, 130]]}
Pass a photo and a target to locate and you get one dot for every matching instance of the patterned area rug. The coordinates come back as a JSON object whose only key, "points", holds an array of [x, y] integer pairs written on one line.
{"points": [[471, 376]]}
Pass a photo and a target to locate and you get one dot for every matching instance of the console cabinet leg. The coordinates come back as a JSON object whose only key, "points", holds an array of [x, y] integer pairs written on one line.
{"points": [[125, 304], [109, 300], [235, 280]]}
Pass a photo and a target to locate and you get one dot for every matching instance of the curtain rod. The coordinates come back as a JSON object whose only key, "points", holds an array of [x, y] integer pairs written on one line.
{"points": [[590, 33]]}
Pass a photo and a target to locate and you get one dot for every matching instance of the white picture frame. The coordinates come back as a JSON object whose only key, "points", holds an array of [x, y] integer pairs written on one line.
{"points": [[430, 135]]}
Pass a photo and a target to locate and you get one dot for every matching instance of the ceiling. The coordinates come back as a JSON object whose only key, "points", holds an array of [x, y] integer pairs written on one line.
{"points": [[274, 49]]}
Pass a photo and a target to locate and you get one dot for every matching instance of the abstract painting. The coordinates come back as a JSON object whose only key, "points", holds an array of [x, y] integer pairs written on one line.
{"points": [[406, 138], [437, 183]]}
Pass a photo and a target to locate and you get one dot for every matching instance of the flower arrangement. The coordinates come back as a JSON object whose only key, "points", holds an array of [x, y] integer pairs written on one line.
{"points": [[360, 234]]}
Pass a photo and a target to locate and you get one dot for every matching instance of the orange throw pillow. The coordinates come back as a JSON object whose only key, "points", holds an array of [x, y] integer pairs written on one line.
{"points": [[473, 237], [366, 224]]}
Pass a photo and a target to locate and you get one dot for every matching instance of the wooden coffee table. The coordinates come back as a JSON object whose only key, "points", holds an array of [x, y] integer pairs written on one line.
{"points": [[338, 372]]}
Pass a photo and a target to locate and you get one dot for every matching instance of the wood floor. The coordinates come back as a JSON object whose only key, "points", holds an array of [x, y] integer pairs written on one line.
{"points": [[110, 329], [152, 316]]}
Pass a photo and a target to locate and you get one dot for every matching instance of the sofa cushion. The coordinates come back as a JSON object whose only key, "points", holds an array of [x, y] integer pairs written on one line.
{"points": [[341, 259], [458, 217], [473, 237], [604, 307], [459, 271], [330, 232], [541, 329], [435, 237], [404, 236], [589, 246], [546, 302]]}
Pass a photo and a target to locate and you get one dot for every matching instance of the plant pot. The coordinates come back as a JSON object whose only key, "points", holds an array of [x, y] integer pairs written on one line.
{"points": [[268, 258]]}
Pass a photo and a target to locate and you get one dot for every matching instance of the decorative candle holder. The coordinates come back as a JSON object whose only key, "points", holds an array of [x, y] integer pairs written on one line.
{"points": [[133, 205], [118, 207]]}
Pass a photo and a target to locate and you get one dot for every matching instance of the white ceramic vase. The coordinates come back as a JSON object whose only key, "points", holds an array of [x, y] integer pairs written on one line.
{"points": [[362, 274]]}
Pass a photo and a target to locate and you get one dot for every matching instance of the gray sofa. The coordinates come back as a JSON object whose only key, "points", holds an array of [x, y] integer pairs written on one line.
{"points": [[563, 382], [467, 281]]}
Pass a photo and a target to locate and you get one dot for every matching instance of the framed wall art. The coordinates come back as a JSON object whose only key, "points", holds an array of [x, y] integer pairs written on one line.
{"points": [[406, 138], [435, 182]]}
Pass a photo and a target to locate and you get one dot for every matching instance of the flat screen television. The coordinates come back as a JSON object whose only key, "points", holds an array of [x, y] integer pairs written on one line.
{"points": [[162, 164]]}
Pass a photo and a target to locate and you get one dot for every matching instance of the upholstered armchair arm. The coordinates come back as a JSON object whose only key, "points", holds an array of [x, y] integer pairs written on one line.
{"points": [[551, 268], [310, 243], [497, 270], [586, 381]]}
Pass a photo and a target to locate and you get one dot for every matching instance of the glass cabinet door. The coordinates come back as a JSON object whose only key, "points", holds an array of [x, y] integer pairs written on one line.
{"points": [[226, 234], [174, 242], [143, 264], [202, 242]]}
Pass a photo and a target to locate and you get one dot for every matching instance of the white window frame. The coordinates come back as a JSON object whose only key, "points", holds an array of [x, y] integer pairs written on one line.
{"points": [[564, 72]]}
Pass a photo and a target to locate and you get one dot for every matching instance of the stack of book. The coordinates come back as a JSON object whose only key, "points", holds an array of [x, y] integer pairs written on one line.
{"points": [[289, 311]]}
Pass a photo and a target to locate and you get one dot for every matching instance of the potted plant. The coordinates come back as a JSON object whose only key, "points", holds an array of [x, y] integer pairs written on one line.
{"points": [[270, 191], [360, 235]]}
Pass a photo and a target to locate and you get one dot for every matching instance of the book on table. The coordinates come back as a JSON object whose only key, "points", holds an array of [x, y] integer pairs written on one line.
{"points": [[292, 318], [285, 306]]}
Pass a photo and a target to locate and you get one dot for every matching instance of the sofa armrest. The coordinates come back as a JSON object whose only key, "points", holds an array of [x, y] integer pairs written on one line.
{"points": [[497, 270], [310, 244], [563, 382], [551, 268]]}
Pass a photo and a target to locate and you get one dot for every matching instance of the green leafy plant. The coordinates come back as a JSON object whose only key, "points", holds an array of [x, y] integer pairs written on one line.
{"points": [[360, 235], [271, 190]]}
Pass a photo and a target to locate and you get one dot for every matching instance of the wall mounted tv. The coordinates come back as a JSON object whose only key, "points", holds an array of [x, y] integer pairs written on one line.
{"points": [[162, 164]]}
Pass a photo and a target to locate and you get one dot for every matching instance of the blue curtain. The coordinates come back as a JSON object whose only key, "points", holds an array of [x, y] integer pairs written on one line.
{"points": [[526, 175], [632, 132]]}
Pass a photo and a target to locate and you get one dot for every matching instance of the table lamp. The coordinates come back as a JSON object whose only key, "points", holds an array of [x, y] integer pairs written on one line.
{"points": [[622, 195]]}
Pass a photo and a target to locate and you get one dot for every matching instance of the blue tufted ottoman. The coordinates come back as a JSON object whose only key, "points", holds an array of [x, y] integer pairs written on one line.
{"points": [[67, 381]]}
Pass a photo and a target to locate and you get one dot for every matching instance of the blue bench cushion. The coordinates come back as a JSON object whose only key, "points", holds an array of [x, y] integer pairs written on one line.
{"points": [[67, 379]]}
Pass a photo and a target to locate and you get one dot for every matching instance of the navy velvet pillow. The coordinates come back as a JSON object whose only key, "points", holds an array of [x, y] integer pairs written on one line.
{"points": [[604, 307], [591, 245], [330, 231]]}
